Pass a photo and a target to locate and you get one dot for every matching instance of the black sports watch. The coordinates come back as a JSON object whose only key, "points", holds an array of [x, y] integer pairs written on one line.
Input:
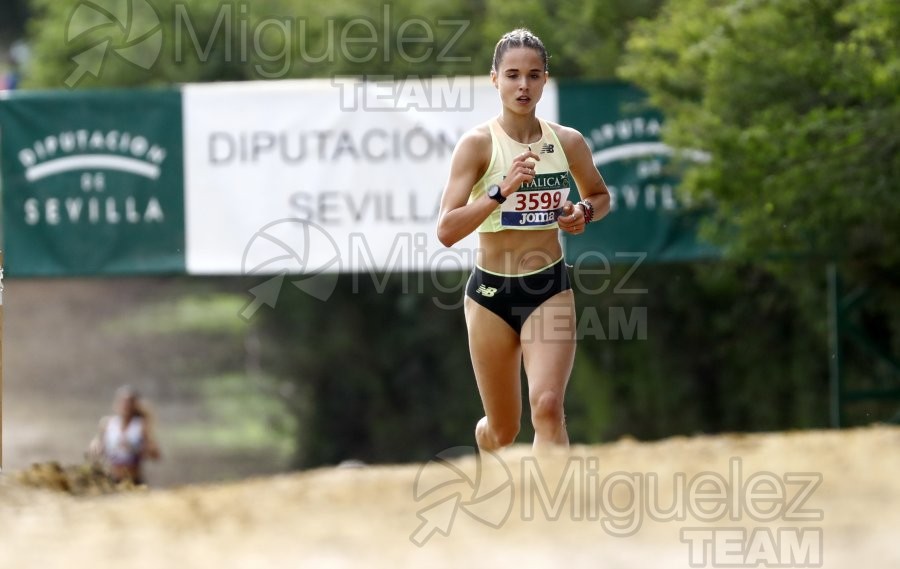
{"points": [[493, 192]]}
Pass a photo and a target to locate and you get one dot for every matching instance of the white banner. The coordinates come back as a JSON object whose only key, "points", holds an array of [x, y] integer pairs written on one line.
{"points": [[326, 175]]}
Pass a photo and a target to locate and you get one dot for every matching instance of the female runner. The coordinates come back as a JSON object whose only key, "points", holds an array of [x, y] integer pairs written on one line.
{"points": [[509, 180]]}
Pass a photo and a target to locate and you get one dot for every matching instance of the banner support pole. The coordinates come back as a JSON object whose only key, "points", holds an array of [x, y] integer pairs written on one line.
{"points": [[1, 360]]}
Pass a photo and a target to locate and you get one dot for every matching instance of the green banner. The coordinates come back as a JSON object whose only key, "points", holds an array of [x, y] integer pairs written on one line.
{"points": [[647, 217], [92, 182]]}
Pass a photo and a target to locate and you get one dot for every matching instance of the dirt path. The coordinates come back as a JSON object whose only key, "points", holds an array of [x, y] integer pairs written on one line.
{"points": [[365, 517]]}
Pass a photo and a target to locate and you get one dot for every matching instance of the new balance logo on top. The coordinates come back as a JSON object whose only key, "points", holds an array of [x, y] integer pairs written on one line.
{"points": [[547, 149], [486, 291]]}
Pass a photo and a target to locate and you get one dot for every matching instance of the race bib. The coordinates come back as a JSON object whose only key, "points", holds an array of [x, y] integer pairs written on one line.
{"points": [[537, 203]]}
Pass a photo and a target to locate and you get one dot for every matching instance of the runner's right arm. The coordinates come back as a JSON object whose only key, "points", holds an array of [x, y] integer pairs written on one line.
{"points": [[458, 218]]}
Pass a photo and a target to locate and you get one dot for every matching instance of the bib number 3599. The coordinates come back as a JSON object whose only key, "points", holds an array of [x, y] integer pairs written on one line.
{"points": [[538, 201]]}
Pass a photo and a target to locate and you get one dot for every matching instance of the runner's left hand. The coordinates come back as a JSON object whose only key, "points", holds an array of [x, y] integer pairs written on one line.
{"points": [[572, 219]]}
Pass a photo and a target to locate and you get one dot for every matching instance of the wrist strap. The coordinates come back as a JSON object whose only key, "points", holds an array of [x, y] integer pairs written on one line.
{"points": [[588, 209]]}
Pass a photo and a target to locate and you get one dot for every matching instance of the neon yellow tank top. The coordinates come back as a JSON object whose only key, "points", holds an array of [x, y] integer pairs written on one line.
{"points": [[535, 205]]}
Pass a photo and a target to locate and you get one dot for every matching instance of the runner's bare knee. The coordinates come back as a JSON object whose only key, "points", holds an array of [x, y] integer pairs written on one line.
{"points": [[547, 409]]}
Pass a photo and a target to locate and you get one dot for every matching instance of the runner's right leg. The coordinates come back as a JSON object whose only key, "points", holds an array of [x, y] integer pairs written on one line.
{"points": [[497, 362]]}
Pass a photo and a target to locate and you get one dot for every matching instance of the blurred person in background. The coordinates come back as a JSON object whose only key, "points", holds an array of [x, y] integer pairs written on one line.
{"points": [[124, 440], [18, 56]]}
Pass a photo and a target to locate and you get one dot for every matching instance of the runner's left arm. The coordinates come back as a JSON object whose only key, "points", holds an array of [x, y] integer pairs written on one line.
{"points": [[591, 186]]}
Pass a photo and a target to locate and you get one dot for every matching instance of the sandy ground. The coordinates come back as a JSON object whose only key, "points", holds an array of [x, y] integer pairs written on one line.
{"points": [[493, 512]]}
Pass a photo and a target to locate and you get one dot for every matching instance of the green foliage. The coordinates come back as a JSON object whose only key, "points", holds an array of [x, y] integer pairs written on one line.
{"points": [[12, 25], [726, 349], [385, 363], [209, 314], [201, 41], [797, 102], [211, 40], [584, 39], [240, 415]]}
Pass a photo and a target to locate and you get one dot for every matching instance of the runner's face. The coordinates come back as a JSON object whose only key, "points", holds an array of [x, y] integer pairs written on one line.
{"points": [[520, 79], [126, 405]]}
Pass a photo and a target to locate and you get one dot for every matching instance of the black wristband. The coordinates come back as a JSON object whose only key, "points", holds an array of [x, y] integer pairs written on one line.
{"points": [[495, 194]]}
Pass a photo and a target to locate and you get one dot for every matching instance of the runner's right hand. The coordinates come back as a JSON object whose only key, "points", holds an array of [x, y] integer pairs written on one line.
{"points": [[521, 172]]}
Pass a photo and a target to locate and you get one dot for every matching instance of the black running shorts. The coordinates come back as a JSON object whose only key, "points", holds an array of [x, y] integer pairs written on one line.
{"points": [[514, 297]]}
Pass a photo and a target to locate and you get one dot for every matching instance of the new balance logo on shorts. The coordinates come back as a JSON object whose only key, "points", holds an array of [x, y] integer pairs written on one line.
{"points": [[486, 291], [547, 149]]}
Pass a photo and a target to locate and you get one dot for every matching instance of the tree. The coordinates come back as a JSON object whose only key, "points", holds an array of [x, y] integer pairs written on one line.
{"points": [[14, 15], [797, 103], [209, 40], [585, 39]]}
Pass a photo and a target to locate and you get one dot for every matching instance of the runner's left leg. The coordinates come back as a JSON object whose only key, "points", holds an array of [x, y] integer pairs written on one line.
{"points": [[548, 349]]}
